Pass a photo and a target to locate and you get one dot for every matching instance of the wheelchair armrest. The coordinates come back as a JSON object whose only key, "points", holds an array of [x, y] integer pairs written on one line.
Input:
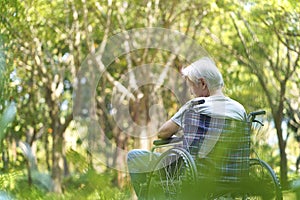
{"points": [[167, 141]]}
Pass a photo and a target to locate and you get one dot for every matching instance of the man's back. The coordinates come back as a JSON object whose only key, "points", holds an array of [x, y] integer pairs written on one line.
{"points": [[220, 147]]}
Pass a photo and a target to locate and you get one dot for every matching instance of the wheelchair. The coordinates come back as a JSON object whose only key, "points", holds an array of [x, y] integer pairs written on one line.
{"points": [[223, 172]]}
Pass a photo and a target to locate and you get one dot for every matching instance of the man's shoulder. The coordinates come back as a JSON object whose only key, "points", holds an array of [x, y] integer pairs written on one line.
{"points": [[197, 100]]}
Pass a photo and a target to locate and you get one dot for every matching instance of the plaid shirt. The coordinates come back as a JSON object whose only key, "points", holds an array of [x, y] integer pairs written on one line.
{"points": [[220, 147]]}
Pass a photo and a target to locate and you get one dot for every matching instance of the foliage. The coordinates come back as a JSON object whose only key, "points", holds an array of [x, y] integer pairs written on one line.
{"points": [[6, 118], [97, 186], [88, 185], [44, 43]]}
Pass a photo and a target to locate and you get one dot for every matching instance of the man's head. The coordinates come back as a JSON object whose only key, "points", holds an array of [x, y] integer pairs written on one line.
{"points": [[203, 77]]}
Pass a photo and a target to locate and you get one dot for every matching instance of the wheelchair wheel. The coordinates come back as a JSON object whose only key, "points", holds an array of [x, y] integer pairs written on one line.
{"points": [[174, 168], [264, 183]]}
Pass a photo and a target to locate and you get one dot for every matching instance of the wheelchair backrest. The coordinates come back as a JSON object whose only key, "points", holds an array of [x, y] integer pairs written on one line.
{"points": [[220, 147]]}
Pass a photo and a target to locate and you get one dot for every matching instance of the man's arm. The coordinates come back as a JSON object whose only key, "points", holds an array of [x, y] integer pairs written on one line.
{"points": [[168, 129]]}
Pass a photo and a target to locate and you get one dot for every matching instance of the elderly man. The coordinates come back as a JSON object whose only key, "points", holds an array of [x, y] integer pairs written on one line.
{"points": [[205, 83]]}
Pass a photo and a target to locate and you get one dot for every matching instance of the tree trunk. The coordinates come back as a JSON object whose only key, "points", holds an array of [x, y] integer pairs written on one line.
{"points": [[57, 161], [46, 146], [29, 178], [119, 160], [5, 160], [283, 156], [283, 168]]}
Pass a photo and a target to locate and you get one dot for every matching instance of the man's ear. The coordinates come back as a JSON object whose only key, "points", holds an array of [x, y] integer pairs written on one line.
{"points": [[202, 83]]}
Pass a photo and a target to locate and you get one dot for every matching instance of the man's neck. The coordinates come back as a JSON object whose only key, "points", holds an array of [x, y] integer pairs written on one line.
{"points": [[217, 93]]}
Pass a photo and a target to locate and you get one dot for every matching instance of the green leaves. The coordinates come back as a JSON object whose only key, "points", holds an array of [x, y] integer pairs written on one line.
{"points": [[9, 112], [6, 118]]}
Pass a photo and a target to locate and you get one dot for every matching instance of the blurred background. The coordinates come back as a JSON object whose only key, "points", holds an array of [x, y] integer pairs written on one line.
{"points": [[256, 45]]}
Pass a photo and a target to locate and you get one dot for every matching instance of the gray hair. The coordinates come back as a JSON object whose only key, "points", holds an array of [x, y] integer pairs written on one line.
{"points": [[207, 69]]}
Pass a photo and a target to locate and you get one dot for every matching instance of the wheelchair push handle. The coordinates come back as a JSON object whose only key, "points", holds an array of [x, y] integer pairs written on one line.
{"points": [[255, 113], [252, 115]]}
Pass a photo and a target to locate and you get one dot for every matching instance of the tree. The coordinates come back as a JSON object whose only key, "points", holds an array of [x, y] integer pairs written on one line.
{"points": [[47, 42], [34, 33], [7, 107], [139, 99]]}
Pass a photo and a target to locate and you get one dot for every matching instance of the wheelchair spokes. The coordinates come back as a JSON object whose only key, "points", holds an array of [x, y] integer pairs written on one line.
{"points": [[169, 173], [263, 180]]}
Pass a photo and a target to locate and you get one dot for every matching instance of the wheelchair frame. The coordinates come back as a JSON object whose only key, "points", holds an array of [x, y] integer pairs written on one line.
{"points": [[174, 176]]}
